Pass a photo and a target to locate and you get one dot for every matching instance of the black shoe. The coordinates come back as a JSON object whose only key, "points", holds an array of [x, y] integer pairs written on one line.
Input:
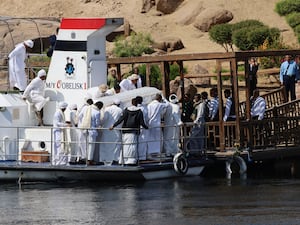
{"points": [[131, 164], [81, 162], [114, 162]]}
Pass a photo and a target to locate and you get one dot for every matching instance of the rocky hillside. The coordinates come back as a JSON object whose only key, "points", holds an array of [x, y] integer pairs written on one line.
{"points": [[179, 24]]}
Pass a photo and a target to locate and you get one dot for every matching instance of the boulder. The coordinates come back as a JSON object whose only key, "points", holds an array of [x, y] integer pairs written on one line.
{"points": [[200, 77], [194, 8], [168, 6], [189, 87], [168, 44], [210, 17], [147, 5]]}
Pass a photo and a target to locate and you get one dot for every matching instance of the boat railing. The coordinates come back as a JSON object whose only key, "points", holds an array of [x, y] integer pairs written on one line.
{"points": [[39, 146]]}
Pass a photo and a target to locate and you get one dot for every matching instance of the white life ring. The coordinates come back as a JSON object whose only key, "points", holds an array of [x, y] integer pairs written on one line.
{"points": [[240, 161], [180, 163]]}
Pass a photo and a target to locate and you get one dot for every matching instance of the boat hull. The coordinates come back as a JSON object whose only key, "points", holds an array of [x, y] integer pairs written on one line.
{"points": [[39, 172]]}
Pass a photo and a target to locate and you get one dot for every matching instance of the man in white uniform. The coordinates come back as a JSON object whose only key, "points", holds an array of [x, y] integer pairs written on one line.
{"points": [[110, 140], [172, 122], [60, 148], [35, 93], [16, 63], [156, 110], [258, 107], [74, 134], [144, 135], [91, 121], [130, 83], [83, 135]]}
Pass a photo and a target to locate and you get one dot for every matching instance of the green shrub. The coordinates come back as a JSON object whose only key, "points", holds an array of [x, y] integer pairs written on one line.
{"points": [[155, 75], [274, 35], [222, 34], [247, 24], [175, 71], [134, 45], [272, 61], [285, 7], [240, 39], [252, 38], [293, 19], [257, 36]]}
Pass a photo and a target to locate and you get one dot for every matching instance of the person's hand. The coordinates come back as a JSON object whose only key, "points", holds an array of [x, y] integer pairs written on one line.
{"points": [[111, 128]]}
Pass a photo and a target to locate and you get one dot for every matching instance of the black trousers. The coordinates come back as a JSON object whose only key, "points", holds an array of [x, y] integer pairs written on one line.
{"points": [[289, 84]]}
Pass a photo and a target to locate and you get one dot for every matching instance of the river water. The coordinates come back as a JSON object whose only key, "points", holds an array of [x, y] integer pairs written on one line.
{"points": [[191, 200]]}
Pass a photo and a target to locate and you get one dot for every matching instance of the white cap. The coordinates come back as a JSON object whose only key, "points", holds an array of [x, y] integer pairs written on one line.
{"points": [[173, 99], [117, 101], [134, 77], [73, 106], [29, 43], [103, 88], [42, 73], [63, 105]]}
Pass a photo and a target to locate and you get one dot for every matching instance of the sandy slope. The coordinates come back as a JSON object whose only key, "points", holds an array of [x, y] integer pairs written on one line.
{"points": [[159, 26]]}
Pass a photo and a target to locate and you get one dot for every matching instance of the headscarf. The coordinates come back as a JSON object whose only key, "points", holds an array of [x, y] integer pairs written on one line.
{"points": [[63, 105], [29, 43], [42, 73]]}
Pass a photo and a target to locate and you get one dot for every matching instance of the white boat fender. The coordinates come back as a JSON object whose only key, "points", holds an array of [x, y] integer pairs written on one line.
{"points": [[240, 161], [180, 163]]}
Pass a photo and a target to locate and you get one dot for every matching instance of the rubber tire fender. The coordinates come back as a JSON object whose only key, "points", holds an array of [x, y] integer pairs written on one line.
{"points": [[180, 163]]}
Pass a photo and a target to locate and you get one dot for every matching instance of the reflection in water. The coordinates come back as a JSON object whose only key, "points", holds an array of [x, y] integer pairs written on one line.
{"points": [[181, 201]]}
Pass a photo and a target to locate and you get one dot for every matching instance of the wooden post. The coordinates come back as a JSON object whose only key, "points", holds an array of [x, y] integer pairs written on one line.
{"points": [[221, 123], [248, 106], [148, 72], [126, 28], [167, 79], [180, 64], [119, 74], [235, 94], [162, 69]]}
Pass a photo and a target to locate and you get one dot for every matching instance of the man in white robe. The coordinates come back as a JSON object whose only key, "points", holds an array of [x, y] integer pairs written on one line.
{"points": [[83, 135], [91, 121], [16, 64], [60, 142], [132, 118], [130, 83], [74, 134], [172, 123], [143, 138], [110, 140], [156, 110], [35, 93]]}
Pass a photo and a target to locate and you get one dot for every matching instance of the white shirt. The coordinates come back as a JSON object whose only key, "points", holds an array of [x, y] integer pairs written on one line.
{"points": [[258, 108], [127, 85]]}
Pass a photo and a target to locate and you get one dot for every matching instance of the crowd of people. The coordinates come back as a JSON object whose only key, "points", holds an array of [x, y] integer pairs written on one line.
{"points": [[141, 124], [110, 134]]}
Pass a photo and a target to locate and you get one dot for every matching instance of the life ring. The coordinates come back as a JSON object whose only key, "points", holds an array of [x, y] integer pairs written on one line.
{"points": [[180, 163], [240, 161]]}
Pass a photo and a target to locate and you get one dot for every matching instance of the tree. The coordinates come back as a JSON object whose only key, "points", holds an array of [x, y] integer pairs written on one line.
{"points": [[222, 34]]}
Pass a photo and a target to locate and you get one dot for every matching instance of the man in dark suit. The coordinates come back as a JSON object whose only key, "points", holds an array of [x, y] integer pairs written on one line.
{"points": [[252, 69]]}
